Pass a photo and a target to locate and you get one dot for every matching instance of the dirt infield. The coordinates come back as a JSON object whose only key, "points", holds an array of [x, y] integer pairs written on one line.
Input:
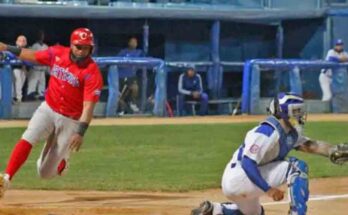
{"points": [[183, 120], [328, 196]]}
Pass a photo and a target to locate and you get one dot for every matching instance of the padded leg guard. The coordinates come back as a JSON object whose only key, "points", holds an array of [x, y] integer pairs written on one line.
{"points": [[297, 180]]}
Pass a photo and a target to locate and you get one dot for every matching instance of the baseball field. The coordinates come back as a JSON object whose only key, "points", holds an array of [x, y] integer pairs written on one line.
{"points": [[161, 166]]}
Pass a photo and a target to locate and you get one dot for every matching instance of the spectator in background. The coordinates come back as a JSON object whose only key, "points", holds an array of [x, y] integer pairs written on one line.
{"points": [[37, 75], [19, 72], [337, 55], [128, 75], [190, 88]]}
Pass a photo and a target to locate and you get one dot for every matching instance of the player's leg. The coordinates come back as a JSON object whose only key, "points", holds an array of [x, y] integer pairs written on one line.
{"points": [[248, 194], [39, 127], [203, 104], [325, 84], [32, 83], [42, 84], [54, 158], [18, 83], [181, 104], [42, 163], [297, 180], [274, 173], [246, 206]]}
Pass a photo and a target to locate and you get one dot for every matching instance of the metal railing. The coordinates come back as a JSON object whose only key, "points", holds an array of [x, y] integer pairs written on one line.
{"points": [[265, 4]]}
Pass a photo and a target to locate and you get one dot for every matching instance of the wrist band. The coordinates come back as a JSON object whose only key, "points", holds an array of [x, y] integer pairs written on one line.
{"points": [[82, 128], [15, 50]]}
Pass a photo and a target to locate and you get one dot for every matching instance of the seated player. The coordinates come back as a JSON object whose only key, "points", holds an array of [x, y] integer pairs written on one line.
{"points": [[190, 88]]}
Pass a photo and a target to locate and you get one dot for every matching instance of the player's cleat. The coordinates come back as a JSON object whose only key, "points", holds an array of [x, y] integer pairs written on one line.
{"points": [[4, 184], [134, 107], [205, 208]]}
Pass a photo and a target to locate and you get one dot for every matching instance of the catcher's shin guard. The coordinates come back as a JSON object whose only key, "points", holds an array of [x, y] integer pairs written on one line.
{"points": [[297, 180]]}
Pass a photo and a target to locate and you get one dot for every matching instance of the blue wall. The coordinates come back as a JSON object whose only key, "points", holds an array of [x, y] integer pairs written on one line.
{"points": [[304, 38], [186, 40], [339, 29], [241, 41]]}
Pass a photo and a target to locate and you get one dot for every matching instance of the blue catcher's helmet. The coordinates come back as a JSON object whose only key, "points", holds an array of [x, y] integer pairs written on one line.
{"points": [[289, 107]]}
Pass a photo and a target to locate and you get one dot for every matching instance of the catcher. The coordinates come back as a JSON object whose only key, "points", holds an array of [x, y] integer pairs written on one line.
{"points": [[260, 165]]}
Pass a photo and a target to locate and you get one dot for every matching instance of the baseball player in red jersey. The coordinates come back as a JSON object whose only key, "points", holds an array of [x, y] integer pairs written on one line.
{"points": [[62, 120]]}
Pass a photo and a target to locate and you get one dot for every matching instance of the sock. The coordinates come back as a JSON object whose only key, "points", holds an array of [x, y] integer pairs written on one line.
{"points": [[19, 155], [61, 167]]}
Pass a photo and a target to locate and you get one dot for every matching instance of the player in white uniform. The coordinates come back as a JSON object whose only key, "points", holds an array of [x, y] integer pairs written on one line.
{"points": [[336, 55], [37, 74], [19, 72], [260, 166]]}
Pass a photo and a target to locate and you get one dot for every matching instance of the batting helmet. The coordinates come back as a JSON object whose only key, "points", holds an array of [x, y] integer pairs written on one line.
{"points": [[290, 107], [82, 36]]}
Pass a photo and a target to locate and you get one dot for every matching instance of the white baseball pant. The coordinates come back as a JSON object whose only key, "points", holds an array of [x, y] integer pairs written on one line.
{"points": [[37, 80], [19, 79], [238, 188], [325, 81], [57, 130]]}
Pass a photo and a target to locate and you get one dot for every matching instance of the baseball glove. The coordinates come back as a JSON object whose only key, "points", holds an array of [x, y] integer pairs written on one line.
{"points": [[339, 154]]}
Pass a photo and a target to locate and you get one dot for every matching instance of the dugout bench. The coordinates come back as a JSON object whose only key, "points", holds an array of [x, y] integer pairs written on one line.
{"points": [[233, 105]]}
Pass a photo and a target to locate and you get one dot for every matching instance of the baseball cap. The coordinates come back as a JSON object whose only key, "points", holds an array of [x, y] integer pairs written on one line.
{"points": [[339, 42]]}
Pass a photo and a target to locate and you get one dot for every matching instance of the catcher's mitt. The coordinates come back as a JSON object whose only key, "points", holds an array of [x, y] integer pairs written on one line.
{"points": [[339, 153]]}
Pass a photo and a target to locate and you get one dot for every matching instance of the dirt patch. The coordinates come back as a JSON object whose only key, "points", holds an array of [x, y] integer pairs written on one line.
{"points": [[183, 120], [328, 196]]}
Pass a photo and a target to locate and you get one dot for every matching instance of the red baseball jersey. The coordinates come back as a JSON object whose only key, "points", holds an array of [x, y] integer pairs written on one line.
{"points": [[70, 84]]}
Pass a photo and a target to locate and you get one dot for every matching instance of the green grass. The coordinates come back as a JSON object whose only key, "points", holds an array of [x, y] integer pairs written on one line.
{"points": [[163, 157]]}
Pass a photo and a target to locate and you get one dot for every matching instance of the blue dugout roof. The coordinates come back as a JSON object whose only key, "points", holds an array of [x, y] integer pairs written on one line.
{"points": [[158, 11]]}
